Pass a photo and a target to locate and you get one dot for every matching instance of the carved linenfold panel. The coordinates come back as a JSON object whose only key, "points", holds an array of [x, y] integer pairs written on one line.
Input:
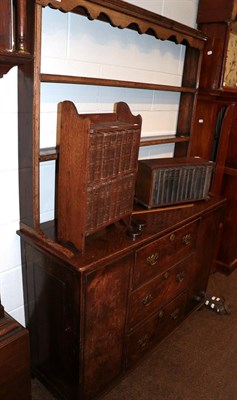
{"points": [[126, 15]]}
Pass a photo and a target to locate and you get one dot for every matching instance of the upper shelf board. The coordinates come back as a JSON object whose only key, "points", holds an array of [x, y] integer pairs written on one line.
{"points": [[125, 15]]}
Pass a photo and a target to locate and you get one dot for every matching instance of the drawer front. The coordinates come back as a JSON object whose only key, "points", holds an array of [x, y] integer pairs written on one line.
{"points": [[150, 297], [143, 339], [150, 260]]}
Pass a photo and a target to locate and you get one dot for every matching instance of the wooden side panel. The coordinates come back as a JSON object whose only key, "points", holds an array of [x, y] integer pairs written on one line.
{"points": [[222, 149], [227, 257], [203, 129], [73, 139], [205, 251], [15, 379], [213, 55], [21, 34], [105, 312], [52, 314], [28, 119], [218, 10]]}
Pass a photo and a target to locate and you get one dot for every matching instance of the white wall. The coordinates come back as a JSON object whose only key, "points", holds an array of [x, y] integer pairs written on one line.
{"points": [[91, 49]]}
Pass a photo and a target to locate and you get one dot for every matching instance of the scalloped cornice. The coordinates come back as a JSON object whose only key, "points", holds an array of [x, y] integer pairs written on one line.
{"points": [[125, 15]]}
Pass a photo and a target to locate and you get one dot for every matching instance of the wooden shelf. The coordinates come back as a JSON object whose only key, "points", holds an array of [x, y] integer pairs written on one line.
{"points": [[48, 154], [51, 153], [156, 140], [83, 80], [230, 171], [9, 59]]}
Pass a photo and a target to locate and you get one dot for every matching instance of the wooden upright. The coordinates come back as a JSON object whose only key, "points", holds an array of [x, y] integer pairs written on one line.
{"points": [[15, 375]]}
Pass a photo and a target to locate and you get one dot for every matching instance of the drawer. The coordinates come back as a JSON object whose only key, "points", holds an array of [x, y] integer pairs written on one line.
{"points": [[150, 297], [150, 260], [147, 336]]}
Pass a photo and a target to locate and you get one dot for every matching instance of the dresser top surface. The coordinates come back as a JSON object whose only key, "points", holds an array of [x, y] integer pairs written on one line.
{"points": [[114, 242]]}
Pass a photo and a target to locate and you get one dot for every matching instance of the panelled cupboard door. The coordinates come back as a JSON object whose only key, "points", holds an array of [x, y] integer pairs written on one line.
{"points": [[106, 293], [52, 319]]}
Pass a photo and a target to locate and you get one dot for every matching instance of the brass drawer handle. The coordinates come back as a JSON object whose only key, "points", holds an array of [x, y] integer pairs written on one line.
{"points": [[186, 239], [175, 314], [143, 342], [180, 276], [147, 300], [161, 314], [165, 275], [152, 259], [172, 237]]}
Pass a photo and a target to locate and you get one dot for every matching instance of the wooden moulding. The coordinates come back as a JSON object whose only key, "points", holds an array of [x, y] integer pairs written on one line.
{"points": [[97, 168], [126, 15]]}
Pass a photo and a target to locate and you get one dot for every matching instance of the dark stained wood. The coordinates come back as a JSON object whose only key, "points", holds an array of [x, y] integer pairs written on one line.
{"points": [[118, 13], [83, 80], [167, 181], [213, 56], [126, 15], [73, 139], [106, 293], [6, 26], [153, 141], [51, 153], [10, 60], [147, 298], [218, 11], [14, 41], [214, 129], [96, 183], [21, 34], [227, 256], [204, 127], [28, 119], [153, 258], [223, 148], [210, 227], [82, 287], [15, 378], [146, 336], [88, 323], [1, 310], [225, 172]]}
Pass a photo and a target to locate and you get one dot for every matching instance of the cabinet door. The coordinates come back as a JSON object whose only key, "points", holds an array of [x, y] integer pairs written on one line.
{"points": [[106, 292], [205, 254], [227, 255], [52, 318]]}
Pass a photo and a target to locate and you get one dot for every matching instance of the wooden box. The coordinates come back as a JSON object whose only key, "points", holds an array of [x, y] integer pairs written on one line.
{"points": [[172, 180], [97, 169]]}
